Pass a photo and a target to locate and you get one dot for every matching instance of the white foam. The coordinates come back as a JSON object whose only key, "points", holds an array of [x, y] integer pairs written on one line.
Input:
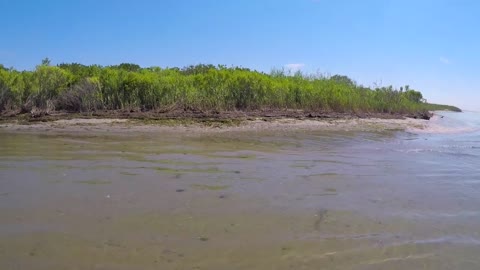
{"points": [[439, 124], [438, 129]]}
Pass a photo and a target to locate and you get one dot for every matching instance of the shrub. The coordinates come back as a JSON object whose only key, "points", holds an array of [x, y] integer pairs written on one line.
{"points": [[6, 97], [81, 97]]}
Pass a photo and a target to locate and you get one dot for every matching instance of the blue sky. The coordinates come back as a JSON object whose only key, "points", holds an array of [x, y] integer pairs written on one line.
{"points": [[434, 46]]}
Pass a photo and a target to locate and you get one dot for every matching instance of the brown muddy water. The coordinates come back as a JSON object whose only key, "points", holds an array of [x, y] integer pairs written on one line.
{"points": [[304, 200]]}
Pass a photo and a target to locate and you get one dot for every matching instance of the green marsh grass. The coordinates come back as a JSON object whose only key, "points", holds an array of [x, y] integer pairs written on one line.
{"points": [[202, 88]]}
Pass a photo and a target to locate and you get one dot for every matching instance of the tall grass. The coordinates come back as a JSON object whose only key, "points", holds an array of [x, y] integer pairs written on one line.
{"points": [[78, 88]]}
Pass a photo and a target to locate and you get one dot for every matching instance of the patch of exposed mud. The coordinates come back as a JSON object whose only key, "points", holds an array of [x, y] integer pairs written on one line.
{"points": [[130, 126]]}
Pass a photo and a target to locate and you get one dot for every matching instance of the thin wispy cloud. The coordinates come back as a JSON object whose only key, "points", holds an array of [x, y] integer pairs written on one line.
{"points": [[444, 60], [294, 67]]}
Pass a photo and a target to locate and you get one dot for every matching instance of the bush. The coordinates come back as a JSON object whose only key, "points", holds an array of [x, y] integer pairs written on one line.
{"points": [[6, 97], [81, 97], [48, 83]]}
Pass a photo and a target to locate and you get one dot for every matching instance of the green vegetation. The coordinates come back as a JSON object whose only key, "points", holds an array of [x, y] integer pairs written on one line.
{"points": [[202, 88], [440, 107]]}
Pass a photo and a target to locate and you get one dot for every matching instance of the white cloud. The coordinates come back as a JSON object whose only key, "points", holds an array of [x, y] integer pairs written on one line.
{"points": [[294, 67], [444, 60]]}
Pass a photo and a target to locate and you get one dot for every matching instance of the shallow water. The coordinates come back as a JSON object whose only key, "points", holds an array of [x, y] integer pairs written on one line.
{"points": [[294, 200]]}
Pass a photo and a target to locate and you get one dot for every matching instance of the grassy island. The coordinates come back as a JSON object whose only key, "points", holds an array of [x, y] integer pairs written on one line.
{"points": [[198, 91]]}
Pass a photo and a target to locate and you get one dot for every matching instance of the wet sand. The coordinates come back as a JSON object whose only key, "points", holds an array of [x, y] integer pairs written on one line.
{"points": [[128, 126]]}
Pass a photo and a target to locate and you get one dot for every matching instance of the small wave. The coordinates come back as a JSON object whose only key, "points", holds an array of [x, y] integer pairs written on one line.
{"points": [[419, 150], [399, 259], [450, 123], [443, 216], [452, 149], [439, 129], [459, 240]]}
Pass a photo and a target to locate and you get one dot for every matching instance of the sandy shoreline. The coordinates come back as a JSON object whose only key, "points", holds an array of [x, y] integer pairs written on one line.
{"points": [[132, 127]]}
